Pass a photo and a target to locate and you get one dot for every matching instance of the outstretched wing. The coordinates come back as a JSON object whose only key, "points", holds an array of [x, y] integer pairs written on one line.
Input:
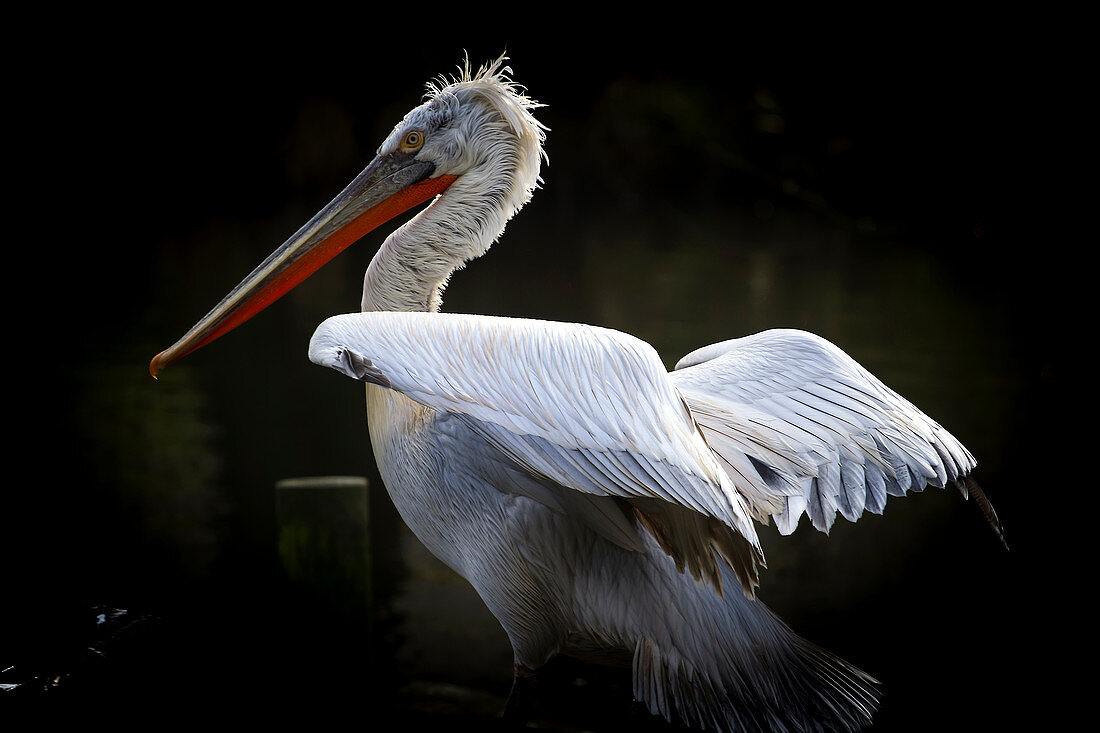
{"points": [[589, 409], [797, 403]]}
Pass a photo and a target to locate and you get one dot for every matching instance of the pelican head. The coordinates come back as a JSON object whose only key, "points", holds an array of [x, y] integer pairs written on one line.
{"points": [[479, 127], [473, 145]]}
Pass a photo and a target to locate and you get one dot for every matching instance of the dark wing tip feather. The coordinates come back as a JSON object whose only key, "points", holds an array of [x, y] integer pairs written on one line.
{"points": [[970, 489]]}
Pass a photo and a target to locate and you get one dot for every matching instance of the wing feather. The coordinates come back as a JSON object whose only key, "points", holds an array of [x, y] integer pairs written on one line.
{"points": [[589, 409], [854, 441]]}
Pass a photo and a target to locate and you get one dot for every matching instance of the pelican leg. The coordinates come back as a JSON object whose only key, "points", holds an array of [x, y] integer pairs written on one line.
{"points": [[521, 699]]}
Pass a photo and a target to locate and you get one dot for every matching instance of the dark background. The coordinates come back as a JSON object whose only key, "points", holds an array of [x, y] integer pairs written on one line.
{"points": [[883, 189]]}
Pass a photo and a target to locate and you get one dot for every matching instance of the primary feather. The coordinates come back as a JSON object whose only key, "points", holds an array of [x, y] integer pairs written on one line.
{"points": [[799, 401]]}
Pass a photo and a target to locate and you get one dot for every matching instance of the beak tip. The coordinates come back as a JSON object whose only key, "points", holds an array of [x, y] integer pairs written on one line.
{"points": [[155, 366]]}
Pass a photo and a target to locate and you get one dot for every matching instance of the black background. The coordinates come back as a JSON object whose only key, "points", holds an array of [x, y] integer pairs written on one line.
{"points": [[138, 141]]}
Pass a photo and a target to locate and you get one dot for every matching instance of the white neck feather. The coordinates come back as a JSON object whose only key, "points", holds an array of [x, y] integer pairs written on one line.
{"points": [[413, 266], [495, 149]]}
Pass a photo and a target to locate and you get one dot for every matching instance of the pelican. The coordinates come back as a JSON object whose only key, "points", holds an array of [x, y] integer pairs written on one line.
{"points": [[601, 506]]}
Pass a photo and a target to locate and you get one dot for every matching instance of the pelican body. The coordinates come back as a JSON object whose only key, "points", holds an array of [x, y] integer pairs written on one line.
{"points": [[601, 506]]}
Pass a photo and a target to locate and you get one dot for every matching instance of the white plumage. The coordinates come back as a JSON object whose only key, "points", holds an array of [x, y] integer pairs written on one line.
{"points": [[584, 408], [602, 482], [849, 439], [600, 506]]}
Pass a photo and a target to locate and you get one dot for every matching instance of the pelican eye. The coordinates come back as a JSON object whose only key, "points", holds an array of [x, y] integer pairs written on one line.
{"points": [[412, 141]]}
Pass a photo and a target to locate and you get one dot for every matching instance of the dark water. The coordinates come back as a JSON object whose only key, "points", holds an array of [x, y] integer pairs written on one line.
{"points": [[684, 206]]}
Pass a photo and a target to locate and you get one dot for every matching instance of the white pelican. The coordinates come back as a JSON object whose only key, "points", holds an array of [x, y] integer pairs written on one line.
{"points": [[601, 506]]}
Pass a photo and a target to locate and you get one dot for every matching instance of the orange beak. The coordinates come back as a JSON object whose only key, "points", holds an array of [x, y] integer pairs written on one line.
{"points": [[392, 184]]}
